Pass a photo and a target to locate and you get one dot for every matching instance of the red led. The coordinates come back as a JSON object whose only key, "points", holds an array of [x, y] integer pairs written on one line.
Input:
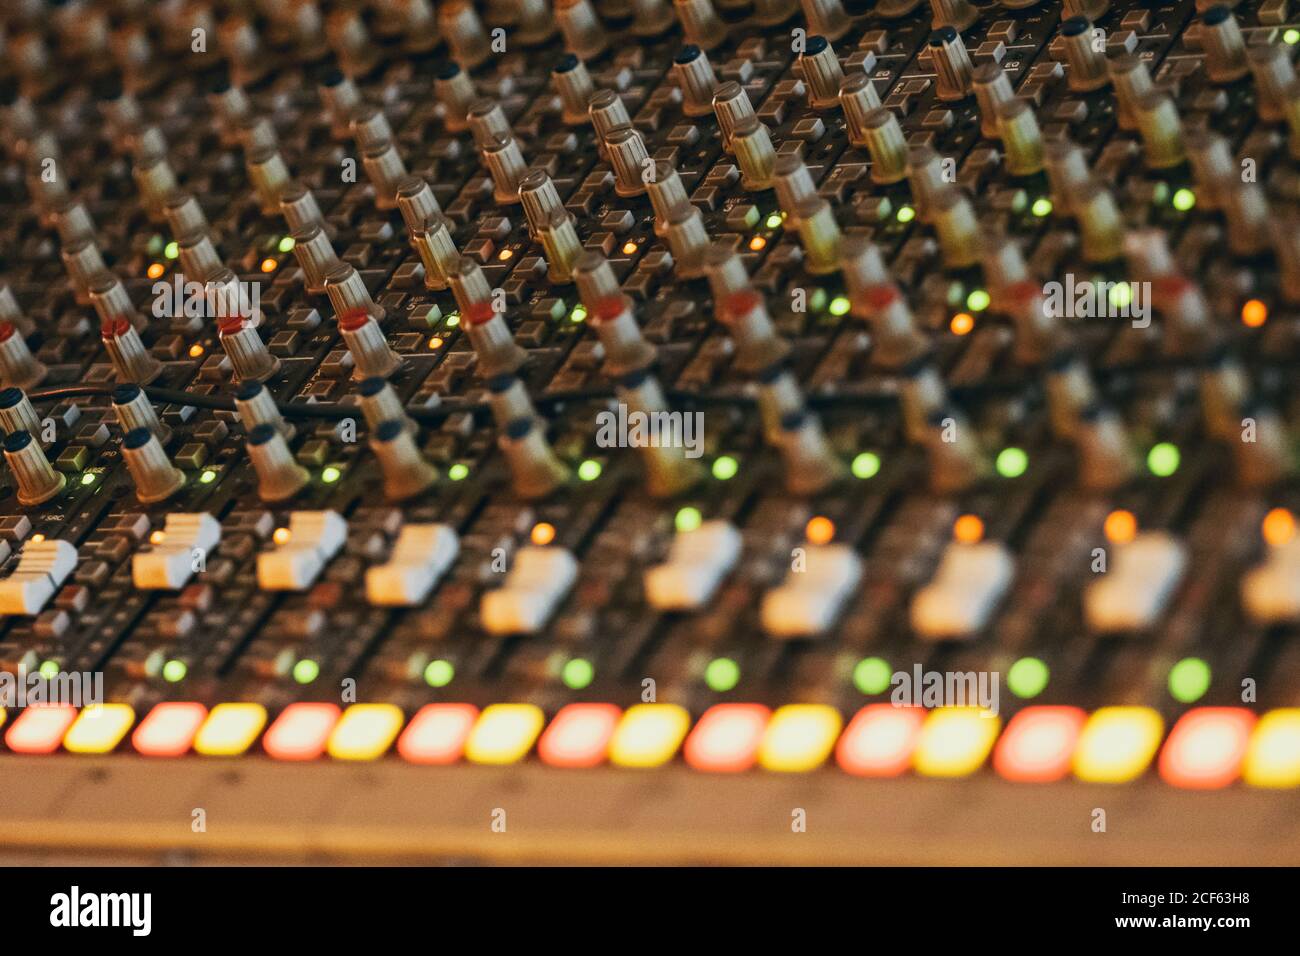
{"points": [[301, 732], [169, 729], [1206, 748], [579, 735], [1038, 744], [39, 729], [437, 733], [879, 740], [727, 737]]}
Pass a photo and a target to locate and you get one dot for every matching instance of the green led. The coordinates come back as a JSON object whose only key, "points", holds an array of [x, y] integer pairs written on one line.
{"points": [[286, 244], [439, 673], [578, 673], [688, 519], [88, 479], [839, 305], [722, 674], [1163, 459], [452, 320], [174, 671], [1121, 295], [905, 214], [171, 250], [458, 472], [978, 300], [207, 477], [1184, 199], [589, 470], [1291, 37], [330, 475], [306, 671], [774, 220], [725, 468], [1189, 679], [579, 314], [1027, 677], [1012, 462], [872, 675], [1041, 207], [155, 244], [865, 465], [50, 670]]}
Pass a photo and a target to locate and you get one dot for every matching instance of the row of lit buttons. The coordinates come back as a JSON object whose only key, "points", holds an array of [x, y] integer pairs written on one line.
{"points": [[1209, 747]]}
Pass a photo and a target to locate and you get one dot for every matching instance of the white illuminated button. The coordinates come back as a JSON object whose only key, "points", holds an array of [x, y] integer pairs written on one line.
{"points": [[809, 600], [43, 566], [421, 555], [970, 581], [697, 562], [1143, 575], [538, 580], [187, 538], [1271, 591], [314, 538]]}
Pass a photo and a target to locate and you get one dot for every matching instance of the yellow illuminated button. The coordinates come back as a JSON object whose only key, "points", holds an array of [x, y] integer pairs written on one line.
{"points": [[365, 732], [504, 733], [955, 741], [99, 728], [1273, 758], [230, 729], [1117, 744], [648, 735], [799, 737]]}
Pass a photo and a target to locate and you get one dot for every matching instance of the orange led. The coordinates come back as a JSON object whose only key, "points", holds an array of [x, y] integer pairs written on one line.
{"points": [[543, 534], [196, 350], [157, 537], [435, 343], [1278, 527], [269, 265], [437, 733], [1206, 748], [757, 243], [1121, 527], [968, 529], [36, 538], [155, 270], [169, 729], [301, 731], [281, 535], [505, 255], [962, 323], [629, 248], [820, 530], [726, 738], [39, 729], [1254, 314], [880, 740], [579, 735], [1038, 744]]}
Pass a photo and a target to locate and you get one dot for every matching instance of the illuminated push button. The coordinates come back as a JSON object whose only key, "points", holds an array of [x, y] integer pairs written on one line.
{"points": [[301, 731], [538, 580], [1270, 592], [437, 733], [365, 732], [314, 538], [169, 729], [1207, 747], [579, 735], [99, 728], [504, 733], [697, 562], [40, 729], [43, 566], [799, 738], [420, 557], [1273, 757], [648, 735], [1143, 576], [809, 601], [880, 740], [726, 738], [969, 583], [1038, 744], [1117, 744], [187, 539], [230, 729], [955, 741]]}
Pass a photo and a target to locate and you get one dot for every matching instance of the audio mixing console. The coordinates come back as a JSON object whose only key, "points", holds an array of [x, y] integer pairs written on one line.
{"points": [[676, 430]]}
